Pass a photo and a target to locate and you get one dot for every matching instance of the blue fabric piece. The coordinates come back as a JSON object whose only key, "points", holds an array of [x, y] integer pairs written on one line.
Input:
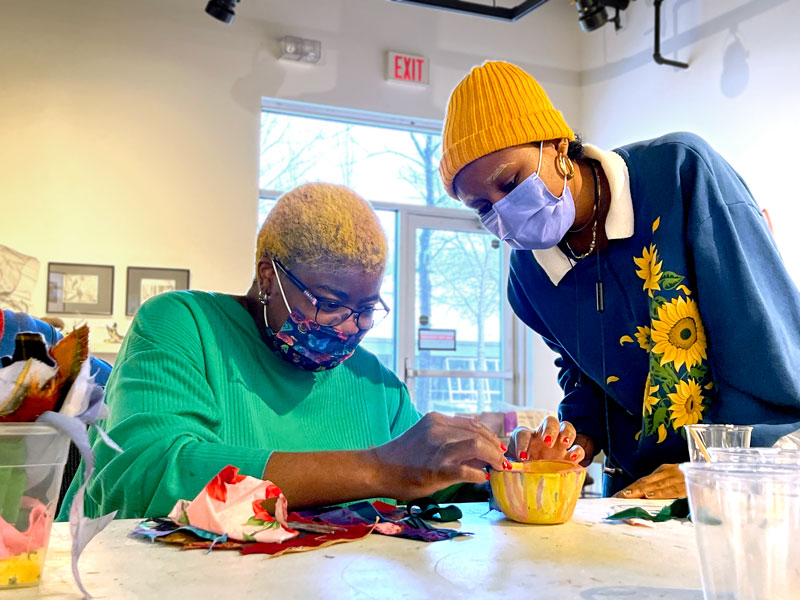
{"points": [[712, 231], [150, 529], [17, 322]]}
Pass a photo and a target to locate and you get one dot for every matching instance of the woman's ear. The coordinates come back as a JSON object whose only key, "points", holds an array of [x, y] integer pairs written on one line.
{"points": [[564, 165], [265, 277]]}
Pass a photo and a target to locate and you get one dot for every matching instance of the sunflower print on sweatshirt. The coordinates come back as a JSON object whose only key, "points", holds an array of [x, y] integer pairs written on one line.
{"points": [[679, 385]]}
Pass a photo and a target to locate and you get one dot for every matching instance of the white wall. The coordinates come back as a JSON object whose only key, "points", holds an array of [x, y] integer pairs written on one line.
{"points": [[741, 91], [129, 129]]}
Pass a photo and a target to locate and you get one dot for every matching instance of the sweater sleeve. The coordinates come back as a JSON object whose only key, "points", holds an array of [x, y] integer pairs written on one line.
{"points": [[405, 416], [164, 416], [582, 404], [748, 303]]}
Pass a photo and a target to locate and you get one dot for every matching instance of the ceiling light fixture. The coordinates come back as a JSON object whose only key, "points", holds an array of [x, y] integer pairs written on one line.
{"points": [[301, 49]]}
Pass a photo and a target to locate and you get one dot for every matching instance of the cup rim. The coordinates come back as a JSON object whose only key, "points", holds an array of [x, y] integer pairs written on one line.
{"points": [[17, 429], [574, 467], [754, 451], [733, 470], [724, 426]]}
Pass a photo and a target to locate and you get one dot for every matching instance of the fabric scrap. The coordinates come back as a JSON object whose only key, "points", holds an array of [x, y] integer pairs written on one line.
{"points": [[679, 509]]}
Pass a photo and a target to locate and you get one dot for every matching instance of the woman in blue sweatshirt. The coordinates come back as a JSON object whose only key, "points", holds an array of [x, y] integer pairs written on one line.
{"points": [[650, 270]]}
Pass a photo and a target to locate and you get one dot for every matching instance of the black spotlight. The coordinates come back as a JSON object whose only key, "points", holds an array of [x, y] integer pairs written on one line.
{"points": [[592, 14], [224, 10]]}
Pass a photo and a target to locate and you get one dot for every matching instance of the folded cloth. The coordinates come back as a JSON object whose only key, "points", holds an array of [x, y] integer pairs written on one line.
{"points": [[233, 505]]}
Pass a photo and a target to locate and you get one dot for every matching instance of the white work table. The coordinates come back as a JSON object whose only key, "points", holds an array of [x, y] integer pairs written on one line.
{"points": [[584, 558]]}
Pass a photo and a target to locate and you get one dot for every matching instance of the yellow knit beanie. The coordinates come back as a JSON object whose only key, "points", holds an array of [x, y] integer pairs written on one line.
{"points": [[496, 106]]}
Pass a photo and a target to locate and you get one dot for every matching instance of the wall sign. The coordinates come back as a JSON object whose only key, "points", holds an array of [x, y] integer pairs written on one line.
{"points": [[436, 339], [406, 68]]}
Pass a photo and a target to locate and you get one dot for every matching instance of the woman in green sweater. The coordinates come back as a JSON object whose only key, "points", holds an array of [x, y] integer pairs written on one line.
{"points": [[274, 382]]}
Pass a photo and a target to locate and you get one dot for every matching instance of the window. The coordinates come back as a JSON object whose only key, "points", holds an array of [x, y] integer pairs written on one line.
{"points": [[393, 163]]}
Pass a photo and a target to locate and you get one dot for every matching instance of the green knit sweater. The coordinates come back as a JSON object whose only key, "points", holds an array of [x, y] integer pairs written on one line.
{"points": [[194, 389]]}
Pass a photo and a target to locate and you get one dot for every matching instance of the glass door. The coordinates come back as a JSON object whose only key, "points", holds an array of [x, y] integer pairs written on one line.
{"points": [[457, 355]]}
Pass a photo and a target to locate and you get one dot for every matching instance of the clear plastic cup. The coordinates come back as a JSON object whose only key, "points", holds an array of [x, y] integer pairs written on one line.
{"points": [[768, 456], [747, 521], [714, 435], [32, 458]]}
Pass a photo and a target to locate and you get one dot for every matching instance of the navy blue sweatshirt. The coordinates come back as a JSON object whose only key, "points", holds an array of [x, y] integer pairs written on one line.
{"points": [[701, 319]]}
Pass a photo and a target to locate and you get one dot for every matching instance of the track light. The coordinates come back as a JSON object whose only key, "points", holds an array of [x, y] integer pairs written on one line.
{"points": [[592, 14], [224, 10]]}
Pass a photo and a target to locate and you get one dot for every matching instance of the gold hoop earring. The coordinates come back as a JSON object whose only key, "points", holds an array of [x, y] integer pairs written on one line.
{"points": [[565, 166]]}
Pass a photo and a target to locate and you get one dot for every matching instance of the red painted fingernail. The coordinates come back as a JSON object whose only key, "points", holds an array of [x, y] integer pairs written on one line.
{"points": [[506, 464], [548, 439], [523, 455], [573, 456], [488, 477], [503, 447], [565, 440]]}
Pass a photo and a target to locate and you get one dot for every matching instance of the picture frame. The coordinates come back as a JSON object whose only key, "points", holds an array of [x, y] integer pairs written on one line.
{"points": [[74, 288], [145, 282]]}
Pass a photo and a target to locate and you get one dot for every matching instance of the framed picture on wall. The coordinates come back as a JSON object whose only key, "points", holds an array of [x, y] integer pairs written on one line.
{"points": [[80, 289], [146, 282]]}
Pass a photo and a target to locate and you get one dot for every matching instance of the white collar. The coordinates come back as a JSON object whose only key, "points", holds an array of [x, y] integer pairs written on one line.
{"points": [[619, 221]]}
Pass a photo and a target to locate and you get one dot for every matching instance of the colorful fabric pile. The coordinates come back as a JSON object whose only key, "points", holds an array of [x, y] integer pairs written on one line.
{"points": [[236, 512]]}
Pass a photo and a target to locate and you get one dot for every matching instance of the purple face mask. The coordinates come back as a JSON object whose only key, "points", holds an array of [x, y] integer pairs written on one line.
{"points": [[530, 217]]}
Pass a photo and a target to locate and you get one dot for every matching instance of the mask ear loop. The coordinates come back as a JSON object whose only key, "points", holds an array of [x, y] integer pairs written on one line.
{"points": [[541, 147], [280, 287]]}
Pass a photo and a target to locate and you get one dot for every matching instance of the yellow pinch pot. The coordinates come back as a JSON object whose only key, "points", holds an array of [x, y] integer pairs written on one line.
{"points": [[542, 492]]}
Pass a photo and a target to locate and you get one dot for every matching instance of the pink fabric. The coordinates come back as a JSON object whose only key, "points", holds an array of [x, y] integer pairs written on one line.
{"points": [[13, 542], [232, 504]]}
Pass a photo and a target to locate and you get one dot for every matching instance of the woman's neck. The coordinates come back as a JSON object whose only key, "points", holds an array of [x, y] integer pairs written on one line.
{"points": [[591, 210]]}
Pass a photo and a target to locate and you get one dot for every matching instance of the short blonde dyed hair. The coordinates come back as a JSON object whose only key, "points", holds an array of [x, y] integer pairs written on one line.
{"points": [[325, 227]]}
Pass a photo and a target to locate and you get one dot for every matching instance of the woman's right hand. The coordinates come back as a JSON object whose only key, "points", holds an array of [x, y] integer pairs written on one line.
{"points": [[436, 452]]}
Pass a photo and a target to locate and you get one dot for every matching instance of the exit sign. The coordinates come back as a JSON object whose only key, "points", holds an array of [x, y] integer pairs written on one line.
{"points": [[406, 68]]}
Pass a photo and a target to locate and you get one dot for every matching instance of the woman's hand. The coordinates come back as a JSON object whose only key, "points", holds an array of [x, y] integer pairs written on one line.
{"points": [[665, 482], [551, 441], [436, 452]]}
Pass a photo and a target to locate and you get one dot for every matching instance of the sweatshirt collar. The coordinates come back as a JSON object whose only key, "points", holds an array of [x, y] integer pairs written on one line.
{"points": [[619, 221]]}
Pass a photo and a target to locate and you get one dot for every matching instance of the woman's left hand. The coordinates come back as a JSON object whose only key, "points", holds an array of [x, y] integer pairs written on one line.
{"points": [[665, 482], [553, 440]]}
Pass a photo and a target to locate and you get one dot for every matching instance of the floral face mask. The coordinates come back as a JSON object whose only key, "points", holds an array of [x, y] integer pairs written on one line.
{"points": [[306, 344]]}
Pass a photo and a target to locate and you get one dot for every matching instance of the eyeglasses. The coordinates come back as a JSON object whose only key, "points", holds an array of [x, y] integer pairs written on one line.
{"points": [[331, 313]]}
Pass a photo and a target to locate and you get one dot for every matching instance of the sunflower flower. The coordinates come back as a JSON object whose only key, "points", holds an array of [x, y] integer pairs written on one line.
{"points": [[678, 334], [643, 337], [649, 269], [650, 399], [687, 404]]}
